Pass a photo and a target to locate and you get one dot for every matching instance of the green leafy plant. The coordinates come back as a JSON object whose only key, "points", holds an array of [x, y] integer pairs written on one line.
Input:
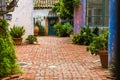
{"points": [[57, 28], [76, 3], [85, 36], [31, 39], [7, 1], [17, 31], [69, 28], [56, 7], [99, 43], [95, 31], [63, 30], [65, 8], [8, 59]]}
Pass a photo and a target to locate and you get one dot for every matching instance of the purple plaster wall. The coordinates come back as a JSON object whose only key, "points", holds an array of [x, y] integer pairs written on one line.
{"points": [[77, 19], [79, 16]]}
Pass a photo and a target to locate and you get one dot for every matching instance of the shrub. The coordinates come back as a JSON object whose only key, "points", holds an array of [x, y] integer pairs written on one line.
{"points": [[31, 39], [85, 36], [63, 30], [58, 28], [8, 64], [76, 39], [95, 31], [69, 28], [17, 31]]}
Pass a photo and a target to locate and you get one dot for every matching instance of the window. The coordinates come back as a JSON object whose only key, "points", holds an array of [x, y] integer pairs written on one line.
{"points": [[97, 12]]}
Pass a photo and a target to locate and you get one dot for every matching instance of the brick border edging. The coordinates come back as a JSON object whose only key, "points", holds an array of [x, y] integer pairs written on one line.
{"points": [[11, 77]]}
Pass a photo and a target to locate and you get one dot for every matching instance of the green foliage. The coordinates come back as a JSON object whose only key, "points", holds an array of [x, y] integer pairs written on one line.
{"points": [[85, 36], [95, 31], [17, 31], [99, 43], [63, 30], [76, 3], [58, 29], [8, 64], [7, 1], [69, 28], [41, 29], [31, 39], [111, 67], [66, 8], [76, 39], [56, 7]]}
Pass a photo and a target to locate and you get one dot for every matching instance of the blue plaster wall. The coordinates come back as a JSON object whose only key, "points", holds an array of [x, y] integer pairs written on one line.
{"points": [[83, 13], [112, 28]]}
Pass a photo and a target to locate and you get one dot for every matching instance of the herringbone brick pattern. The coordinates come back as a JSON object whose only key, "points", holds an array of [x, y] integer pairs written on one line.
{"points": [[55, 58]]}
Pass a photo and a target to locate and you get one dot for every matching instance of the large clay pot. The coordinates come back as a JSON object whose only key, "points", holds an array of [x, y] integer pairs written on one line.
{"points": [[36, 30], [17, 41], [104, 58]]}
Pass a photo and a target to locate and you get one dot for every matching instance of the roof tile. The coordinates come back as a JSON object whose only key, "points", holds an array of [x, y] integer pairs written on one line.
{"points": [[44, 3]]}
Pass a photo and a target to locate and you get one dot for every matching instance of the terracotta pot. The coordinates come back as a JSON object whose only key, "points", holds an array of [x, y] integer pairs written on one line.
{"points": [[36, 30], [104, 58], [17, 41]]}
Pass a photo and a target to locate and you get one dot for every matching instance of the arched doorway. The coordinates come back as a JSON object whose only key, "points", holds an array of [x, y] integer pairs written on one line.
{"points": [[51, 20]]}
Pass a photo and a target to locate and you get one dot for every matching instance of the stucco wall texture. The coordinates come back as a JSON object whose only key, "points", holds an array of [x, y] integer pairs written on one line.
{"points": [[41, 13], [79, 16], [77, 19], [23, 16]]}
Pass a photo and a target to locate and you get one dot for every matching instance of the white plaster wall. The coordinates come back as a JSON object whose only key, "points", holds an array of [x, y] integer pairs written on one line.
{"points": [[23, 16], [41, 12]]}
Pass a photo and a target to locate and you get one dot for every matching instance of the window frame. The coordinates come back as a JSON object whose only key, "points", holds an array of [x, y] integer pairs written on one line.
{"points": [[103, 15]]}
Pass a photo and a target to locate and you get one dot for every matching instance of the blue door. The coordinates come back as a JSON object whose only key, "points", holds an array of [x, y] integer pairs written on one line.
{"points": [[51, 22]]}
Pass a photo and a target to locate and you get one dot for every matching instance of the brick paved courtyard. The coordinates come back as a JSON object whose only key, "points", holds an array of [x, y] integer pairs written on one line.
{"points": [[55, 58]]}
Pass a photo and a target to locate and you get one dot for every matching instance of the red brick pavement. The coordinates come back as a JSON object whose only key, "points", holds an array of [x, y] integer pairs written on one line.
{"points": [[55, 58]]}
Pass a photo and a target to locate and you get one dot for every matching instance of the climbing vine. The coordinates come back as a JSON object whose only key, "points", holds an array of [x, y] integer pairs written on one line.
{"points": [[65, 8]]}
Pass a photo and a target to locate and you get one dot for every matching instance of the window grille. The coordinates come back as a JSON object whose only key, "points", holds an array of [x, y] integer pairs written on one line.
{"points": [[97, 13]]}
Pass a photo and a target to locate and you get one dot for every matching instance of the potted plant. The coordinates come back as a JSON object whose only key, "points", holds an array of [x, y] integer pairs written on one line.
{"points": [[36, 29], [17, 32], [100, 46], [31, 39]]}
